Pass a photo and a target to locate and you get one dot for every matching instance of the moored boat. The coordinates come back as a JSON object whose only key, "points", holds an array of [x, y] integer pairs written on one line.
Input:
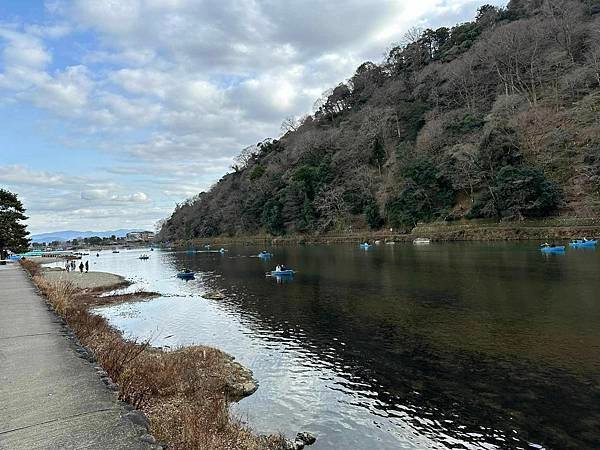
{"points": [[583, 243], [421, 241]]}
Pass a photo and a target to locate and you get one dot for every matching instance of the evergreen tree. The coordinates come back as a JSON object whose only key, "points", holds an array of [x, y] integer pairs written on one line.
{"points": [[13, 233], [378, 155]]}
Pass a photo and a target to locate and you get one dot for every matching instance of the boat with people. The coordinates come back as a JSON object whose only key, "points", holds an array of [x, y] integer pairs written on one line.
{"points": [[144, 256], [281, 271], [265, 255], [115, 251], [365, 246], [422, 241], [186, 274], [583, 243], [552, 248]]}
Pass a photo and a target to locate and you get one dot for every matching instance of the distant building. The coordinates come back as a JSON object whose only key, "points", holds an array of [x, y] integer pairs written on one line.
{"points": [[140, 236]]}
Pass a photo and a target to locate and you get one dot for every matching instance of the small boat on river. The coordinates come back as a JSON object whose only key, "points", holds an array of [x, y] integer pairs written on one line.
{"points": [[281, 273], [421, 241], [365, 246], [186, 274], [583, 243], [547, 248], [144, 257], [115, 251], [265, 255]]}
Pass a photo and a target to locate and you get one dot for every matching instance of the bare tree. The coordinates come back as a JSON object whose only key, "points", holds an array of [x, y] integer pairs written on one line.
{"points": [[291, 123], [515, 51], [245, 156]]}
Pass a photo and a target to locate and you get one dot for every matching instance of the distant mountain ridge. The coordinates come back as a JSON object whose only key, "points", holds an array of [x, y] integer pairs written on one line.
{"points": [[68, 235]]}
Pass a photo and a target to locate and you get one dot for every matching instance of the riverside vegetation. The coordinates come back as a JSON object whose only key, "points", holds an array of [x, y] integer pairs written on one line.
{"points": [[491, 119], [184, 393]]}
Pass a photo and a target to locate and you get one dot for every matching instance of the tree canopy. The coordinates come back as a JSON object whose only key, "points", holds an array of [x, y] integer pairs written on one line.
{"points": [[13, 233]]}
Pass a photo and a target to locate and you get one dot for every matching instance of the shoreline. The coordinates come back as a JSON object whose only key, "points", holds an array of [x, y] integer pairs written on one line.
{"points": [[184, 393], [485, 231]]}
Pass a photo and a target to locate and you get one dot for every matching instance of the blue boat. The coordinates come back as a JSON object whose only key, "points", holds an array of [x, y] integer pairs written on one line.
{"points": [[282, 273], [265, 255], [186, 275], [583, 243], [365, 246], [546, 248]]}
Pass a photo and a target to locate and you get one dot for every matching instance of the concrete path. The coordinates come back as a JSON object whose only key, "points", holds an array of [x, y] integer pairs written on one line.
{"points": [[49, 397]]}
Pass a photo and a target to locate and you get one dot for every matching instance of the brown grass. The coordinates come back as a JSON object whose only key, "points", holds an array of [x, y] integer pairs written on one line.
{"points": [[185, 393]]}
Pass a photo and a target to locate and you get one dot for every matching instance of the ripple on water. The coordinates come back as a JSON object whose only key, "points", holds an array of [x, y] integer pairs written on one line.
{"points": [[347, 349]]}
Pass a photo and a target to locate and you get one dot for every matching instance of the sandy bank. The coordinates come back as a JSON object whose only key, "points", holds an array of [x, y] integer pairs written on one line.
{"points": [[90, 280]]}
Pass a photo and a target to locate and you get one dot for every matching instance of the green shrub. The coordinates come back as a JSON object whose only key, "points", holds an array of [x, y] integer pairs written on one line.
{"points": [[517, 193], [373, 217], [426, 196]]}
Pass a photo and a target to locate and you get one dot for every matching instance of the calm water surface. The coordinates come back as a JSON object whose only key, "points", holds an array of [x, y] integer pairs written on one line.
{"points": [[440, 346]]}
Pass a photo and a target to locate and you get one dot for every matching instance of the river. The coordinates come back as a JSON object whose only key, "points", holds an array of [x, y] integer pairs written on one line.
{"points": [[453, 345]]}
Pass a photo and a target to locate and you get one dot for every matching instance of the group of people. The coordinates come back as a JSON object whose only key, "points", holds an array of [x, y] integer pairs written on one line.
{"points": [[280, 268], [71, 266]]}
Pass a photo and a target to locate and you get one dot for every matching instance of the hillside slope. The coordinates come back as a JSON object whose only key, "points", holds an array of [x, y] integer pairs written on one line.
{"points": [[495, 118]]}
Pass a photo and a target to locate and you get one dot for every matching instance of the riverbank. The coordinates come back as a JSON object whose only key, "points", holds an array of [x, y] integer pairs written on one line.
{"points": [[184, 393], [51, 396], [463, 230]]}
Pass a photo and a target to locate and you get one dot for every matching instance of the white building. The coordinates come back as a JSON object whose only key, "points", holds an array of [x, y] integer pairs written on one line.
{"points": [[139, 236]]}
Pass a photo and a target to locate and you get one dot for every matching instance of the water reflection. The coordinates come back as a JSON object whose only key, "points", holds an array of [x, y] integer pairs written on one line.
{"points": [[446, 346]]}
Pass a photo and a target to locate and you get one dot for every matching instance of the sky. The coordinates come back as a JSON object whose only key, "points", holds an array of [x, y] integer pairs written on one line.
{"points": [[114, 111]]}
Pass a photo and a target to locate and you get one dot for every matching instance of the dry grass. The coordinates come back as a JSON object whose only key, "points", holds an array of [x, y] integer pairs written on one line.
{"points": [[185, 393]]}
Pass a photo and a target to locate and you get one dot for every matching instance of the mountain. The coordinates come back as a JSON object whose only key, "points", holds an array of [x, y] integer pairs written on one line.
{"points": [[495, 118], [70, 235]]}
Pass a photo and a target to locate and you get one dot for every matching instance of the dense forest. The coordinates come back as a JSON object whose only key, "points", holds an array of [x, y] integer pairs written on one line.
{"points": [[495, 118]]}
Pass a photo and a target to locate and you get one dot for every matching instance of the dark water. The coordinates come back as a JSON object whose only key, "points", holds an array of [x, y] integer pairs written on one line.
{"points": [[440, 346]]}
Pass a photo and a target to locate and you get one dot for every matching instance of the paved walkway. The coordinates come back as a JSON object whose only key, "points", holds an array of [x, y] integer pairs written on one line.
{"points": [[49, 397]]}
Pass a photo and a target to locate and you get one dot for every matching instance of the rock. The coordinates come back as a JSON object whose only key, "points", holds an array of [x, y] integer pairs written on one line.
{"points": [[305, 438], [289, 445], [214, 295], [138, 418], [102, 374], [148, 438], [249, 388]]}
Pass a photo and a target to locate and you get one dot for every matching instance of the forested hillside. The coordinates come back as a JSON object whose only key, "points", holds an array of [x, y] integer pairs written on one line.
{"points": [[496, 118]]}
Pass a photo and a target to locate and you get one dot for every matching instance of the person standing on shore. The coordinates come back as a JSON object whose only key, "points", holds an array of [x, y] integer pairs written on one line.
{"points": [[67, 266], [81, 267], [87, 267]]}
